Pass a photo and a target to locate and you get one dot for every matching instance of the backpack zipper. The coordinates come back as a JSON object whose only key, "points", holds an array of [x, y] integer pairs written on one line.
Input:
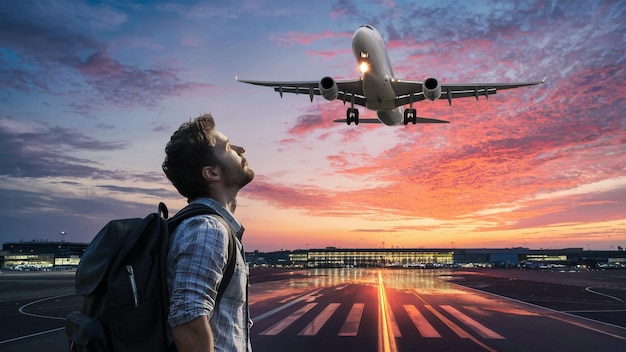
{"points": [[133, 284]]}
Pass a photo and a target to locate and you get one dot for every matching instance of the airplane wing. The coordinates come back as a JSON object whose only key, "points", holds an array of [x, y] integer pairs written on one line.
{"points": [[411, 91], [348, 89]]}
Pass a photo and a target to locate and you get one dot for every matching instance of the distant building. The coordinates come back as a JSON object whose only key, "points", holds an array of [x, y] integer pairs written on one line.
{"points": [[47, 255], [40, 255]]}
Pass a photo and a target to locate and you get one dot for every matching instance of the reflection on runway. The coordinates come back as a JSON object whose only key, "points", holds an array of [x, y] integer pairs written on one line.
{"points": [[342, 310], [407, 310]]}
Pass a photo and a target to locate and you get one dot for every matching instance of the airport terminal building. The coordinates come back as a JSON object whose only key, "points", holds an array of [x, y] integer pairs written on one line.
{"points": [[48, 255], [41, 255], [331, 257]]}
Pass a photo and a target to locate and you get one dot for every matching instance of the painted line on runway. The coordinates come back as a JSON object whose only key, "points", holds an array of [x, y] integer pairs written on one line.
{"points": [[31, 335], [351, 325], [21, 309], [386, 342], [473, 324], [558, 312], [457, 329], [284, 306], [316, 325], [588, 289], [422, 325], [586, 327], [283, 324], [596, 311]]}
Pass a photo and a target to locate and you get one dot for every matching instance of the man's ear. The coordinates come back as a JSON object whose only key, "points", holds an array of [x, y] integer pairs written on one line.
{"points": [[211, 173]]}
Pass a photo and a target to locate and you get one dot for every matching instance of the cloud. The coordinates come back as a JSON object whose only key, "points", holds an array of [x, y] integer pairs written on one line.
{"points": [[53, 54], [35, 149], [500, 152], [291, 38], [38, 150], [328, 54], [81, 217]]}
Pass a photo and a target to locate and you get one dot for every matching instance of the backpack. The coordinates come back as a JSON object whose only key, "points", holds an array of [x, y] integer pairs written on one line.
{"points": [[122, 277]]}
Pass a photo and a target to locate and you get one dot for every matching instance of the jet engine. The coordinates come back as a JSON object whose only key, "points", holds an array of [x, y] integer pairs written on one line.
{"points": [[431, 88], [328, 88]]}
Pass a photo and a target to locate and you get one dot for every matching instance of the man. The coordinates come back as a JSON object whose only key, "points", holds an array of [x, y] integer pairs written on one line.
{"points": [[205, 168]]}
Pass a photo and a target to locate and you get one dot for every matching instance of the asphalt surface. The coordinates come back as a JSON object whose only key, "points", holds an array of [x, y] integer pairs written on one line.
{"points": [[375, 310]]}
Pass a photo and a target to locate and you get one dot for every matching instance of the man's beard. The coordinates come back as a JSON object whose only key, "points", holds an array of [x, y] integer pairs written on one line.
{"points": [[237, 176]]}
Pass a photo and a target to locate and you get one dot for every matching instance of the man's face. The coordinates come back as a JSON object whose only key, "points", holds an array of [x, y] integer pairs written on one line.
{"points": [[235, 170]]}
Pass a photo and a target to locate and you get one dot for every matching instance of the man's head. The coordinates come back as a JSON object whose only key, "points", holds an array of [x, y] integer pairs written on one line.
{"points": [[198, 156]]}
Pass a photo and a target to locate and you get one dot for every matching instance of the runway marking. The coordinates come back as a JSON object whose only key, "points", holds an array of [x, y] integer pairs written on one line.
{"points": [[283, 324], [386, 342], [596, 311], [351, 325], [284, 306], [21, 309], [422, 325], [457, 329], [588, 289], [473, 324], [460, 332], [314, 326], [394, 324], [32, 335], [563, 313], [588, 327]]}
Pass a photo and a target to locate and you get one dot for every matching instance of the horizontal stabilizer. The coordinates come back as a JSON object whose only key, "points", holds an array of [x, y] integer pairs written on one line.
{"points": [[360, 121], [427, 120]]}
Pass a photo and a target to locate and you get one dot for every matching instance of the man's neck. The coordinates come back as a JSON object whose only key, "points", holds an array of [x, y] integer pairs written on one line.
{"points": [[226, 197]]}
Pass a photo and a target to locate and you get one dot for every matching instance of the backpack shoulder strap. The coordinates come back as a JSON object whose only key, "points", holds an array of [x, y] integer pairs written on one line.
{"points": [[229, 270], [199, 209]]}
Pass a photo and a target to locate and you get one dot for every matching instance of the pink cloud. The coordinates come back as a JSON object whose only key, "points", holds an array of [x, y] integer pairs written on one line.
{"points": [[291, 38], [100, 64], [328, 54]]}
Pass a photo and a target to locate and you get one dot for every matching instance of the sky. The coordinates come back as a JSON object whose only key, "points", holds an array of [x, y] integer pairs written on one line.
{"points": [[90, 93]]}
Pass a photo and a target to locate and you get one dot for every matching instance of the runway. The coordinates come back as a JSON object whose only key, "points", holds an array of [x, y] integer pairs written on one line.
{"points": [[375, 310]]}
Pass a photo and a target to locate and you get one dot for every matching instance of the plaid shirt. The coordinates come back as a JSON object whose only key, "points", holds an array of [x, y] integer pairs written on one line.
{"points": [[195, 263]]}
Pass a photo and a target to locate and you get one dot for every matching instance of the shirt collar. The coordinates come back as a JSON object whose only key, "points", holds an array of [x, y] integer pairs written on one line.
{"points": [[223, 212]]}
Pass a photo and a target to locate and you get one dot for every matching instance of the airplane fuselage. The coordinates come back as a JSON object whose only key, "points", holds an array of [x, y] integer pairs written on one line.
{"points": [[369, 48]]}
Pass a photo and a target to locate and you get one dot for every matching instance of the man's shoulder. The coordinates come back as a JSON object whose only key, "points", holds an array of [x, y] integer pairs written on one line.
{"points": [[203, 223]]}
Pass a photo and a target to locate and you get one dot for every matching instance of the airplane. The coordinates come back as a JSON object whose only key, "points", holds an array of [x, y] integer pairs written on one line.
{"points": [[379, 90]]}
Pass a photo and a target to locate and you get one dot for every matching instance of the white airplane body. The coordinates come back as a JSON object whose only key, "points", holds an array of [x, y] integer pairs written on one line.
{"points": [[378, 89]]}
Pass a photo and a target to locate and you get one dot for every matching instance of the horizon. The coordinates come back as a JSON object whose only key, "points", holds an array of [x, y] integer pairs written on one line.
{"points": [[251, 250], [92, 91]]}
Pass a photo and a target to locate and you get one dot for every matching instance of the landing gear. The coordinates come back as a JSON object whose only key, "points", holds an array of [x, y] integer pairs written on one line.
{"points": [[410, 115], [352, 115]]}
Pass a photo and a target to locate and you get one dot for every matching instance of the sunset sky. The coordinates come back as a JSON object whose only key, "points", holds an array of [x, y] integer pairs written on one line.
{"points": [[90, 92]]}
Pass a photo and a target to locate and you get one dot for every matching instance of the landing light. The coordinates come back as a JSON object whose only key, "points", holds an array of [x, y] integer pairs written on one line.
{"points": [[364, 67]]}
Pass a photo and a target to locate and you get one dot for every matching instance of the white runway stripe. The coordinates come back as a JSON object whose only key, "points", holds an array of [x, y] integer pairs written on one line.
{"points": [[422, 325], [351, 325], [473, 324], [314, 327], [394, 324], [283, 324]]}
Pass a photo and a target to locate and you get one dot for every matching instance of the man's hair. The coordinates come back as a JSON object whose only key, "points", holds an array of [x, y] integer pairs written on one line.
{"points": [[191, 148]]}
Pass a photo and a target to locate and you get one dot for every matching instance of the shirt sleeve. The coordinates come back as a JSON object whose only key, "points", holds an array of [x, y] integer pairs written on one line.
{"points": [[198, 250]]}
